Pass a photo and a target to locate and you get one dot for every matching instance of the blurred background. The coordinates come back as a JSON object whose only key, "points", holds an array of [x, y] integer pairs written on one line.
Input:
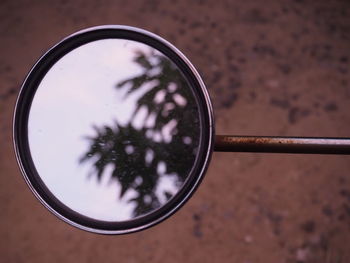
{"points": [[271, 67]]}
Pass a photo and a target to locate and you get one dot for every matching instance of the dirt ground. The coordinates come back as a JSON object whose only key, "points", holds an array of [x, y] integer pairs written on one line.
{"points": [[271, 67]]}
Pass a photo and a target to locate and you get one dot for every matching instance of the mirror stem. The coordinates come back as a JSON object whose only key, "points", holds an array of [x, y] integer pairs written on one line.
{"points": [[272, 144]]}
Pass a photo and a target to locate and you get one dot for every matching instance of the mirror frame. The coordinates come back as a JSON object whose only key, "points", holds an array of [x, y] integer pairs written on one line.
{"points": [[20, 129]]}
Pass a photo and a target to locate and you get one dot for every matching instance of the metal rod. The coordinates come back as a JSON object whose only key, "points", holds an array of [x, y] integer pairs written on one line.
{"points": [[272, 144]]}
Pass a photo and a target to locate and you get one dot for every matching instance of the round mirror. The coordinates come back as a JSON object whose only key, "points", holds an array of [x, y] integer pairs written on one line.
{"points": [[113, 129]]}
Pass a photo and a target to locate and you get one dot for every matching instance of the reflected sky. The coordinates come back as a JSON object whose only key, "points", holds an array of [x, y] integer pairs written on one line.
{"points": [[76, 97]]}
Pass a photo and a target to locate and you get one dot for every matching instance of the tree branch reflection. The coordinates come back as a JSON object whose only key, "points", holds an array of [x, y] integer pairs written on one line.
{"points": [[159, 143]]}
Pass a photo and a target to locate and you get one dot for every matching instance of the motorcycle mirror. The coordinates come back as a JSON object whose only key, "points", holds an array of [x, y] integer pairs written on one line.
{"points": [[113, 129]]}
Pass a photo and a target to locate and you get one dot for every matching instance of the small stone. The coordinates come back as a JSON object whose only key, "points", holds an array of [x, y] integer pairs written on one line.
{"points": [[248, 239], [302, 254], [315, 239], [273, 83]]}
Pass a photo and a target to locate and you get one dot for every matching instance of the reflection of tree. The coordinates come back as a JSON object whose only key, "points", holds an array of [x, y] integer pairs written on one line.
{"points": [[164, 146]]}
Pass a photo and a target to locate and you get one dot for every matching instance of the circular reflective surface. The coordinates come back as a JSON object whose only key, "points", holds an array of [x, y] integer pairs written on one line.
{"points": [[113, 129]]}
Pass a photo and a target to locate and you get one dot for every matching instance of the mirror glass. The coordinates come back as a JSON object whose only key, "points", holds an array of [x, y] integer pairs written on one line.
{"points": [[113, 129]]}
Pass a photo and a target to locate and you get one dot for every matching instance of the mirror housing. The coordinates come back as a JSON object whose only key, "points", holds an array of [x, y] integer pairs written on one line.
{"points": [[25, 146]]}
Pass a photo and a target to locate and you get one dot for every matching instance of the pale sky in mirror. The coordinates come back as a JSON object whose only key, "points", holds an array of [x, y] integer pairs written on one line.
{"points": [[77, 93]]}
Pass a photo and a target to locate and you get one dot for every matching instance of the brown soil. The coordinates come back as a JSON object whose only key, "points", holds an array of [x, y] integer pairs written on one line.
{"points": [[272, 68]]}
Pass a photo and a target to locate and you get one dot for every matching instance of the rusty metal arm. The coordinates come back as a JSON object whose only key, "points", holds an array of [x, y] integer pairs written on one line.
{"points": [[272, 144]]}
